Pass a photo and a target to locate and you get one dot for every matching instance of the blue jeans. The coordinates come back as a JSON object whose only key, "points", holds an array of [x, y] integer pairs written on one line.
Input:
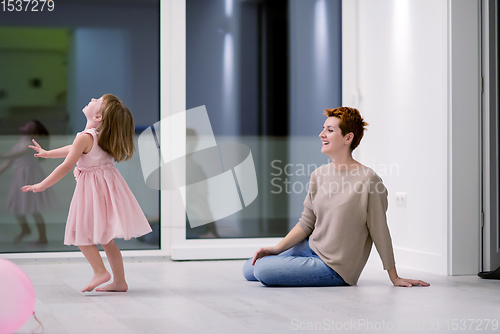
{"points": [[298, 266]]}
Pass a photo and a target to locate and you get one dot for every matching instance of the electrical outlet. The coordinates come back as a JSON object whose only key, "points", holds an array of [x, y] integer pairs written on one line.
{"points": [[401, 199]]}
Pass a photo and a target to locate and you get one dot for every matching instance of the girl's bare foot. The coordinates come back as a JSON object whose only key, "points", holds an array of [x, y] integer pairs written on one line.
{"points": [[114, 287], [97, 280]]}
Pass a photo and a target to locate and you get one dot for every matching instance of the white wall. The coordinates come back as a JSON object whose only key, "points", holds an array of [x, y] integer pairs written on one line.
{"points": [[397, 71]]}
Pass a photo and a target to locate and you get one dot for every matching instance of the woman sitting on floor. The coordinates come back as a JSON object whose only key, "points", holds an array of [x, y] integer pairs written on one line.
{"points": [[344, 213]]}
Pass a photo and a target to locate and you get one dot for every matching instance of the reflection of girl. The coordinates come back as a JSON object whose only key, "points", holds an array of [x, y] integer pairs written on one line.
{"points": [[27, 170], [341, 223]]}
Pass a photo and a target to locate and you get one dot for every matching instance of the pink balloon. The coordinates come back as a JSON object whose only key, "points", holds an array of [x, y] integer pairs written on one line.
{"points": [[17, 297]]}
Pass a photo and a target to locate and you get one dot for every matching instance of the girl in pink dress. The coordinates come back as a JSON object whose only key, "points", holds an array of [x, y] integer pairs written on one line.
{"points": [[103, 207]]}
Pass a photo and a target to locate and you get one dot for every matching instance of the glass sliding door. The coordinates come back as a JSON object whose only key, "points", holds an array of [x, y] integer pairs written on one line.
{"points": [[53, 63], [265, 70]]}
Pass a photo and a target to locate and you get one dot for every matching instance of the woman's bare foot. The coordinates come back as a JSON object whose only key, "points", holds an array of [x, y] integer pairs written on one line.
{"points": [[97, 280], [114, 287]]}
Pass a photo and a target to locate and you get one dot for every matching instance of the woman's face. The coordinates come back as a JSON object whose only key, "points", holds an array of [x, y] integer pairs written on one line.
{"points": [[331, 137], [93, 108]]}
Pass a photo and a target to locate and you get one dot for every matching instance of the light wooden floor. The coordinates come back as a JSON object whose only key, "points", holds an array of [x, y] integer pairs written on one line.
{"points": [[213, 297]]}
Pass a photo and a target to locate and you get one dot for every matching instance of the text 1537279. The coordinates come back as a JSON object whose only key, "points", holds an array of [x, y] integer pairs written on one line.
{"points": [[27, 5]]}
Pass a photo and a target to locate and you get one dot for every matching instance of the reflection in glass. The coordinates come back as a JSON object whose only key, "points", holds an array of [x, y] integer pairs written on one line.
{"points": [[26, 169], [52, 64], [265, 70], [197, 195]]}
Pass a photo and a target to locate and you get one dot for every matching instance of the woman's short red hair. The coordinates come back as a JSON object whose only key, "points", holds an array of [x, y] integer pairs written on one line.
{"points": [[350, 121]]}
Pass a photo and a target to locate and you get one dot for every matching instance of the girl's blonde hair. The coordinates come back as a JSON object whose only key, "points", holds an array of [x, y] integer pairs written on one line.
{"points": [[116, 130]]}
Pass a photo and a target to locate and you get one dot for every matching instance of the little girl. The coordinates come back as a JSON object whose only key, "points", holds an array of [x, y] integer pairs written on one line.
{"points": [[103, 207]]}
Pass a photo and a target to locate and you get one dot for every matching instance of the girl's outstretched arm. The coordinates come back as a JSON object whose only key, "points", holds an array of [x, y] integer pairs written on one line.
{"points": [[56, 153], [80, 143]]}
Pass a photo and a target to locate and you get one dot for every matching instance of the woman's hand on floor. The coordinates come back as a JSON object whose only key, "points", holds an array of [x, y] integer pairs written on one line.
{"points": [[408, 282], [264, 251]]}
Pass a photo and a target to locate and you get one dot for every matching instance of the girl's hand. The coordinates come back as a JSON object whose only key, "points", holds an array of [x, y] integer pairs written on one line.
{"points": [[264, 251], [41, 153], [36, 188], [408, 282]]}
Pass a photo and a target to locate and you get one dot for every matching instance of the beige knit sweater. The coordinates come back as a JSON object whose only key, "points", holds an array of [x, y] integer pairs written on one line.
{"points": [[344, 213]]}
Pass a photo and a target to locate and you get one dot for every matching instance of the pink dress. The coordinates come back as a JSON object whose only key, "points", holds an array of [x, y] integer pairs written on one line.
{"points": [[103, 207]]}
